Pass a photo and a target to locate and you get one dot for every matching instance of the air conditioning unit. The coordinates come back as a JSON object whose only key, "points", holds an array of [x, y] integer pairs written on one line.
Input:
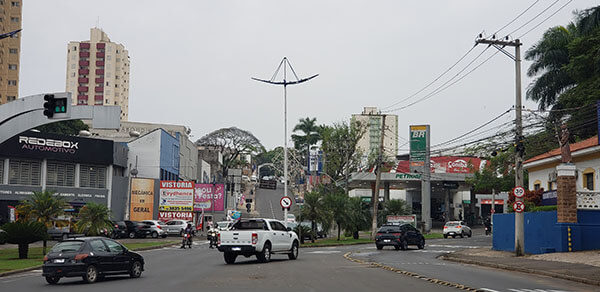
{"points": [[552, 176]]}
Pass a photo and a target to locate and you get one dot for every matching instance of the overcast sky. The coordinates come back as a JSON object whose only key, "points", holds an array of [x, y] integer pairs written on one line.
{"points": [[191, 61]]}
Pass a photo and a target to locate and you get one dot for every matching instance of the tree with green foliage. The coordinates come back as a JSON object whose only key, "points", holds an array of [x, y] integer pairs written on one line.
{"points": [[359, 216], [69, 128], [497, 176], [392, 207], [93, 218], [310, 136], [336, 204], [23, 233], [339, 148], [313, 210], [42, 207]]}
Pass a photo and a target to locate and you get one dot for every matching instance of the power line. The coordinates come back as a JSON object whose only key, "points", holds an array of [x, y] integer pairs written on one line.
{"points": [[514, 19], [555, 12], [529, 21], [491, 121]]}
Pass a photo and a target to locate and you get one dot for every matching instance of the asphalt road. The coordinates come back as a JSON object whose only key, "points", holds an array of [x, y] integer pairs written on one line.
{"points": [[267, 202], [203, 269]]}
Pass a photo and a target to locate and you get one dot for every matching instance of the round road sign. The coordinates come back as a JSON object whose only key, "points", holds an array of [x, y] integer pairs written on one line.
{"points": [[519, 206], [519, 192], [285, 202]]}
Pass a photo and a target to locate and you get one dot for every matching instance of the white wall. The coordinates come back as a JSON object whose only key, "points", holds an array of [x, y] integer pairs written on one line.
{"points": [[147, 150]]}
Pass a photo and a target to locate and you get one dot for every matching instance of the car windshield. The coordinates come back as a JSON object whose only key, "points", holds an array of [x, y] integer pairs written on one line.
{"points": [[65, 246], [388, 229], [249, 225], [451, 223]]}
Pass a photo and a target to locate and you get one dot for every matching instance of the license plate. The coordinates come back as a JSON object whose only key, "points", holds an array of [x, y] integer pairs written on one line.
{"points": [[59, 261], [236, 248], [386, 240]]}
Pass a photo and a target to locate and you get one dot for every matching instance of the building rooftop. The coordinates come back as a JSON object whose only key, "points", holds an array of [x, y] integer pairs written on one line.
{"points": [[588, 143]]}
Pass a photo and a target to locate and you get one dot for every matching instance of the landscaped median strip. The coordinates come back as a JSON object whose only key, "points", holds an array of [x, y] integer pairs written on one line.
{"points": [[134, 247], [410, 274]]}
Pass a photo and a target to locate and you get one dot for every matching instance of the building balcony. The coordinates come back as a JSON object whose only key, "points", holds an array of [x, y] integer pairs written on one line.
{"points": [[84, 71], [99, 80], [99, 89], [100, 45], [98, 97], [100, 55], [99, 71], [82, 89], [100, 63], [83, 80], [83, 54], [84, 45], [84, 63]]}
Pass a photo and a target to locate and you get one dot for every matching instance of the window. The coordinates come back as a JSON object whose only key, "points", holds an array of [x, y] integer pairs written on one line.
{"points": [[10, 98], [91, 176], [106, 83], [15, 4], [537, 185], [1, 170], [14, 19], [12, 82], [113, 246], [588, 179], [75, 48], [60, 174], [13, 51], [24, 172], [12, 66], [98, 246], [550, 186]]}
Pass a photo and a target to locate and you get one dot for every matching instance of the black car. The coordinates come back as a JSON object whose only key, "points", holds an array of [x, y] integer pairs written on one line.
{"points": [[92, 258], [131, 229], [399, 236]]}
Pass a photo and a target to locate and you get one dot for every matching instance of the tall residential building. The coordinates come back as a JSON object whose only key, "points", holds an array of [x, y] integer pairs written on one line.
{"points": [[10, 50], [370, 141], [98, 72]]}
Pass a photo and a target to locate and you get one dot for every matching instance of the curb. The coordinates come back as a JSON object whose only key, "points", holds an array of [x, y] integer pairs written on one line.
{"points": [[3, 274], [411, 274], [523, 270]]}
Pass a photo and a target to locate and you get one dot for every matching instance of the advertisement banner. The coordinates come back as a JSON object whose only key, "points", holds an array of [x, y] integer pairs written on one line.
{"points": [[402, 219], [176, 196], [233, 215], [168, 216], [142, 199], [209, 197]]}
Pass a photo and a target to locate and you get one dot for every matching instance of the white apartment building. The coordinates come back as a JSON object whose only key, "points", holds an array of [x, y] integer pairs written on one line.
{"points": [[371, 140], [98, 72]]}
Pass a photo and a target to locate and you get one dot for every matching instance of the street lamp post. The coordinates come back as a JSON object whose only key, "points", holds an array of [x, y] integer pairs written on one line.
{"points": [[285, 63]]}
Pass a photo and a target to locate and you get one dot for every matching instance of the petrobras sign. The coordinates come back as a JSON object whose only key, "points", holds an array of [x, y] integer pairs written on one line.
{"points": [[58, 147], [419, 146]]}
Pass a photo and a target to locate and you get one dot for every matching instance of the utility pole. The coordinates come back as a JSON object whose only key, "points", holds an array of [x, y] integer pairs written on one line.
{"points": [[285, 63], [500, 44], [375, 196]]}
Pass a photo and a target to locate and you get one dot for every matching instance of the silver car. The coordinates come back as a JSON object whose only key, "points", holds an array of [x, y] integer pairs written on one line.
{"points": [[454, 228], [176, 226], [156, 228]]}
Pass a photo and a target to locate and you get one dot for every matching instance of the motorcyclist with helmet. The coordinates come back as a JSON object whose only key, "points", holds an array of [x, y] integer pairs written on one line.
{"points": [[187, 236]]}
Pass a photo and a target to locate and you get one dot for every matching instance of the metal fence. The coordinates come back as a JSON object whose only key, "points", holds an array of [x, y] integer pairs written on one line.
{"points": [[588, 200]]}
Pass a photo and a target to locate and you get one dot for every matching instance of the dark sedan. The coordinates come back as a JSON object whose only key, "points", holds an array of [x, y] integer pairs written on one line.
{"points": [[131, 229], [91, 258], [399, 236]]}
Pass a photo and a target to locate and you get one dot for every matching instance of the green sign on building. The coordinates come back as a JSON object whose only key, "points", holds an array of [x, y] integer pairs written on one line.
{"points": [[419, 143]]}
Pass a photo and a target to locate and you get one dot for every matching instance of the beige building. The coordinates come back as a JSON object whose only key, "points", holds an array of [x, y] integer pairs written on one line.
{"points": [[98, 72], [10, 50], [371, 140]]}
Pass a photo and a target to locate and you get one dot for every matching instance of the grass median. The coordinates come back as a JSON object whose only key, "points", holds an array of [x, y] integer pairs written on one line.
{"points": [[9, 258], [350, 240]]}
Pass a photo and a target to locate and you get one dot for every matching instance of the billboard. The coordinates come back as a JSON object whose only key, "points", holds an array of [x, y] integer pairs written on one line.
{"points": [[209, 197], [168, 216], [402, 219], [142, 199], [419, 146], [176, 196]]}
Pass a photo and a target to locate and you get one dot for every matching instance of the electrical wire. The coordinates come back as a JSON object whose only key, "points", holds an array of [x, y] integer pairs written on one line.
{"points": [[479, 127], [555, 12], [534, 18], [514, 19]]}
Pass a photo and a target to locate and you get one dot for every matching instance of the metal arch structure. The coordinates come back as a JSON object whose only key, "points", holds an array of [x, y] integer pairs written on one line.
{"points": [[266, 164], [27, 113], [285, 64]]}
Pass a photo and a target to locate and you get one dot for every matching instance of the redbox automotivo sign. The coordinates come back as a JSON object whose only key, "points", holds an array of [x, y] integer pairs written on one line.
{"points": [[176, 196], [168, 216]]}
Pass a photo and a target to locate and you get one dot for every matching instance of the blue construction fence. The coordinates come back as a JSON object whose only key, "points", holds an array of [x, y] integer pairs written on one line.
{"points": [[543, 234]]}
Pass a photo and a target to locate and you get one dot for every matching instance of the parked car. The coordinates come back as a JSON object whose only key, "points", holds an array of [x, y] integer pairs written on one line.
{"points": [[257, 237], [91, 258], [156, 228], [132, 229], [2, 236], [320, 233], [176, 226], [399, 236], [454, 228], [62, 228]]}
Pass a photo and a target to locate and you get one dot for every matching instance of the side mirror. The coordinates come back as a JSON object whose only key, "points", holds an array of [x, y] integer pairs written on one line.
{"points": [[289, 229]]}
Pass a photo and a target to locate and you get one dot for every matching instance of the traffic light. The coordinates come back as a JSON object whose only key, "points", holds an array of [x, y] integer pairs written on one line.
{"points": [[248, 207], [54, 105]]}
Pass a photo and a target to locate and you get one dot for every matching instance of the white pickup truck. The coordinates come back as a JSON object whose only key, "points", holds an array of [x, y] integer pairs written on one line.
{"points": [[260, 237]]}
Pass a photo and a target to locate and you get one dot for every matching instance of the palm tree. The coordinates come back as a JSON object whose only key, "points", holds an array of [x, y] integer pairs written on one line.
{"points": [[42, 207], [93, 218], [23, 233], [310, 136], [312, 210], [336, 204], [359, 216], [392, 207]]}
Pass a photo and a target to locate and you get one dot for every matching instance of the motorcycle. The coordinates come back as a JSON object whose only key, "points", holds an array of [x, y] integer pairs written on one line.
{"points": [[488, 230], [212, 238], [187, 240]]}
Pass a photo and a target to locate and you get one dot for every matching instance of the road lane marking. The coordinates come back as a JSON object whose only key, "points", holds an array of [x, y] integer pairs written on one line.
{"points": [[324, 251], [452, 246]]}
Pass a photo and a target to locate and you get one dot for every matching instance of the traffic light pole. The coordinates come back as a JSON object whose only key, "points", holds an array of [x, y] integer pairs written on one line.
{"points": [[500, 44]]}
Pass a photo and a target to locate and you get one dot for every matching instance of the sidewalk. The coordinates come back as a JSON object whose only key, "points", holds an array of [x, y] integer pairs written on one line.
{"points": [[581, 267]]}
